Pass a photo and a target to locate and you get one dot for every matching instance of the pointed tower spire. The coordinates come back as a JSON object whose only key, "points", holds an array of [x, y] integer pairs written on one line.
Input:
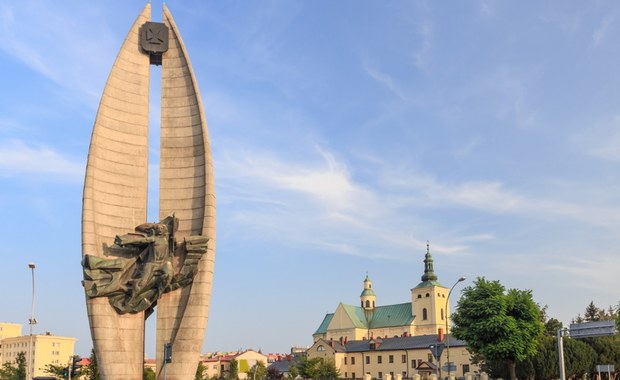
{"points": [[429, 273]]}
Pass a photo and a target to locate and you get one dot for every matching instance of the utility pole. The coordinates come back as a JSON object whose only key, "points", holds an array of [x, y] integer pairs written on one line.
{"points": [[448, 319], [32, 321]]}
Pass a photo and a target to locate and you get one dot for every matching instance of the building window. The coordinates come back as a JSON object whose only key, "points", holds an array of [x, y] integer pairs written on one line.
{"points": [[346, 361], [392, 374], [424, 314], [442, 314], [353, 375], [367, 303], [380, 375], [346, 375], [427, 295], [391, 359], [419, 296], [465, 368], [430, 358], [403, 359], [353, 362], [404, 374], [320, 348], [379, 360], [367, 359]]}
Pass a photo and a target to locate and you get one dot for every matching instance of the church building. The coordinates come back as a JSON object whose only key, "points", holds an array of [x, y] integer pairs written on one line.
{"points": [[425, 314]]}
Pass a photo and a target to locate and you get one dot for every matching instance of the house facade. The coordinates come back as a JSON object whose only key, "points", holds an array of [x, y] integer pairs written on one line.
{"points": [[46, 348]]}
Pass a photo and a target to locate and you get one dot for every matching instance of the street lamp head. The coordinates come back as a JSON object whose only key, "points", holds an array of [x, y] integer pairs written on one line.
{"points": [[461, 279], [31, 265]]}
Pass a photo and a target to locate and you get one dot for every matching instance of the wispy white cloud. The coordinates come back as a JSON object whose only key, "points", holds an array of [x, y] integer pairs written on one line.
{"points": [[386, 81], [421, 56], [600, 33], [20, 159], [59, 46]]}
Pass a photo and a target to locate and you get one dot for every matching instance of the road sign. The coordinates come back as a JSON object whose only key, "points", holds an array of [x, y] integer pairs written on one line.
{"points": [[591, 329], [605, 368], [437, 349], [452, 367]]}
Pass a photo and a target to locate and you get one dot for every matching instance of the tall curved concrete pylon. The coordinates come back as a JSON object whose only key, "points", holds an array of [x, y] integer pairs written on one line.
{"points": [[115, 201]]}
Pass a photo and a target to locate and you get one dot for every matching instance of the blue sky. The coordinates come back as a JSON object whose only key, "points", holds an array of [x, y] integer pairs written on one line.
{"points": [[345, 135]]}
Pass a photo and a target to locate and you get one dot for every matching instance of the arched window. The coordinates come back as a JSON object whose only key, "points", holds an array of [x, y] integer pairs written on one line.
{"points": [[320, 348], [428, 295], [373, 303], [419, 296], [367, 303], [424, 314]]}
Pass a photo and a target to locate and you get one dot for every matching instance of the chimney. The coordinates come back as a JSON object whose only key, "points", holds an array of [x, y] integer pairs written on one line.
{"points": [[331, 342], [341, 340], [346, 339], [440, 335]]}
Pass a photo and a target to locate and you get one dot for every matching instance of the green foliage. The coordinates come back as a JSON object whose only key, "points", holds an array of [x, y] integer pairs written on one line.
{"points": [[91, 371], [55, 370], [317, 368], [15, 370], [618, 317], [200, 371], [273, 374], [293, 371], [8, 372], [148, 374], [593, 314], [498, 325], [257, 372], [233, 373]]}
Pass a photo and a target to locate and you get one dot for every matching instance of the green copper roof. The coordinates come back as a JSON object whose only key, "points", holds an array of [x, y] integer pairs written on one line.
{"points": [[326, 321], [382, 316], [368, 292], [425, 284]]}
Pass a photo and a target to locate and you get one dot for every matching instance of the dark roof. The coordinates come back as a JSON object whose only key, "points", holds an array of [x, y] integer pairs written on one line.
{"points": [[399, 343]]}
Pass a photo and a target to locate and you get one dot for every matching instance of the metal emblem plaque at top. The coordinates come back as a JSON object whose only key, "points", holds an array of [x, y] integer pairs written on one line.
{"points": [[154, 40]]}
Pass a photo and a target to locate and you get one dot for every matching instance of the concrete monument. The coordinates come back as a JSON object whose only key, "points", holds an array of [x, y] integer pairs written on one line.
{"points": [[167, 267]]}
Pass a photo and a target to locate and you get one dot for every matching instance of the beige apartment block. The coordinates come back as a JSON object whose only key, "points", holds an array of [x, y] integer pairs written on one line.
{"points": [[9, 330], [46, 349]]}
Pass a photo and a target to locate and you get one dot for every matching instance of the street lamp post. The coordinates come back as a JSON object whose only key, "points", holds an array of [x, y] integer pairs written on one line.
{"points": [[447, 319], [32, 321]]}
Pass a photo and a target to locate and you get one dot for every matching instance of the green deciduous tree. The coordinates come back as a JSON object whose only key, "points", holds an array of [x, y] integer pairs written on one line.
{"points": [[91, 371], [499, 325], [15, 370], [55, 370], [200, 371], [148, 374], [257, 372], [317, 368], [8, 371], [233, 373]]}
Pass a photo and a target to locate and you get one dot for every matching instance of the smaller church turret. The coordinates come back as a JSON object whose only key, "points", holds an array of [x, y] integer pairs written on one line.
{"points": [[368, 297]]}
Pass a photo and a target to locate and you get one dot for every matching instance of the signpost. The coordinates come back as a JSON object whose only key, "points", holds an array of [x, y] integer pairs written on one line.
{"points": [[585, 330], [437, 350], [609, 368]]}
